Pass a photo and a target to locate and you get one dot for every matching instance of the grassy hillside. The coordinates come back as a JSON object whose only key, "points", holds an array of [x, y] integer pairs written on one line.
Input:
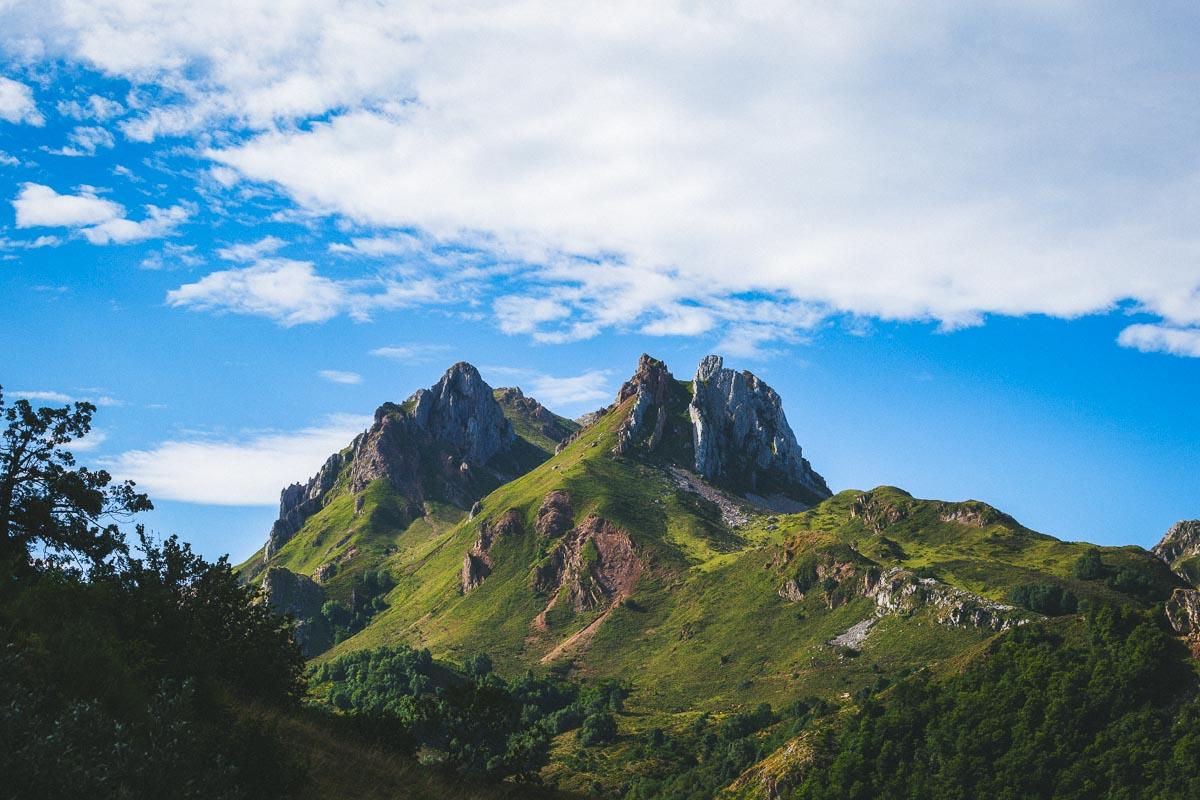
{"points": [[716, 606]]}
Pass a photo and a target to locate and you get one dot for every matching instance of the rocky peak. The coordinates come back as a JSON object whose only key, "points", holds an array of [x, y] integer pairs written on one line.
{"points": [[461, 411], [650, 386], [1181, 541], [457, 422], [741, 436]]}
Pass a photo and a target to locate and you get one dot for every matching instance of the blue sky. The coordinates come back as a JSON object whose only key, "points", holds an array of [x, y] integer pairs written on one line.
{"points": [[960, 242]]}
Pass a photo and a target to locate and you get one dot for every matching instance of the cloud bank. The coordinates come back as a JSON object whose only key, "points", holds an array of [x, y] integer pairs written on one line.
{"points": [[741, 170]]}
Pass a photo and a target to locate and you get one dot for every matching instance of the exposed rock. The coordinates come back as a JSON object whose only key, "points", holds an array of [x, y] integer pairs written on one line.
{"points": [[733, 514], [474, 570], [457, 422], [1181, 541], [854, 636], [875, 512], [595, 563], [741, 436], [325, 572], [973, 513], [1183, 613], [584, 420], [475, 510], [647, 419], [791, 591], [899, 591], [298, 595], [477, 563], [299, 501], [461, 411], [555, 516]]}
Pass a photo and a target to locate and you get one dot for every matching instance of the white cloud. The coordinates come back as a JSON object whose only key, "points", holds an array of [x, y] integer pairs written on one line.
{"points": [[90, 442], [292, 293], [100, 221], [398, 244], [1162, 339], [338, 376], [95, 107], [246, 471], [172, 256], [85, 140], [573, 391], [251, 251], [8, 161], [666, 167], [40, 206], [159, 222], [45, 396], [398, 353], [16, 103], [48, 396]]}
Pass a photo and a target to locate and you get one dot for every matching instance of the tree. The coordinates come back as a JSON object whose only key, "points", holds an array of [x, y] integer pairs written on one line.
{"points": [[46, 501]]}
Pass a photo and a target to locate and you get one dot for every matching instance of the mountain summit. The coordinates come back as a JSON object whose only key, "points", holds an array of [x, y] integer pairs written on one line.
{"points": [[728, 426]]}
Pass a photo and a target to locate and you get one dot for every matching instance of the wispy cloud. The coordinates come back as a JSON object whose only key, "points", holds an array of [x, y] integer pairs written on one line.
{"points": [[293, 293], [49, 396], [586, 389], [338, 376], [85, 140], [248, 470], [412, 353], [251, 251]]}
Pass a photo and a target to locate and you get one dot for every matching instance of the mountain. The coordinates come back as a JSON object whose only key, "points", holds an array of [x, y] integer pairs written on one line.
{"points": [[680, 541], [415, 472]]}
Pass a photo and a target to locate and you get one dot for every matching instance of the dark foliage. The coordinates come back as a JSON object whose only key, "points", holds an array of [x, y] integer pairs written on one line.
{"points": [[1107, 709], [1045, 598], [479, 723], [122, 670]]}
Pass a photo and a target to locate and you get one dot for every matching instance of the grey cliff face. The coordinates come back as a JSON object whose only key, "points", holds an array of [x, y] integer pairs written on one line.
{"points": [[461, 411], [741, 435], [1181, 541], [458, 417], [301, 597], [650, 386]]}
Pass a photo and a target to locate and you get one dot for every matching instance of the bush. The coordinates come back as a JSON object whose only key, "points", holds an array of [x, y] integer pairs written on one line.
{"points": [[1044, 598], [598, 729]]}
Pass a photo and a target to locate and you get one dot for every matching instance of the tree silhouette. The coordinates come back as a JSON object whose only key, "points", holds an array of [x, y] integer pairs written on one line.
{"points": [[52, 510]]}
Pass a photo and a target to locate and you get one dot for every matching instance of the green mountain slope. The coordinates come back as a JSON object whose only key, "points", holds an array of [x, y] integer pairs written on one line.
{"points": [[614, 558], [704, 624]]}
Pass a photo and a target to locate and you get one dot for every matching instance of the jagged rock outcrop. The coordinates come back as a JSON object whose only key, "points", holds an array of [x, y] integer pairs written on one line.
{"points": [[300, 501], [647, 420], [1181, 541], [301, 597], [555, 516], [457, 424], [477, 563], [1183, 614], [896, 591], [741, 436], [595, 563], [899, 591], [461, 411]]}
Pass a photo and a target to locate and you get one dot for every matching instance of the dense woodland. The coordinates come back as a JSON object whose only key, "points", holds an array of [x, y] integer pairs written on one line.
{"points": [[134, 668]]}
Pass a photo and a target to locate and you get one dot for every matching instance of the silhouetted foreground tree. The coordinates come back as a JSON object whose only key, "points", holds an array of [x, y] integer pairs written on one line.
{"points": [[47, 502], [123, 671]]}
